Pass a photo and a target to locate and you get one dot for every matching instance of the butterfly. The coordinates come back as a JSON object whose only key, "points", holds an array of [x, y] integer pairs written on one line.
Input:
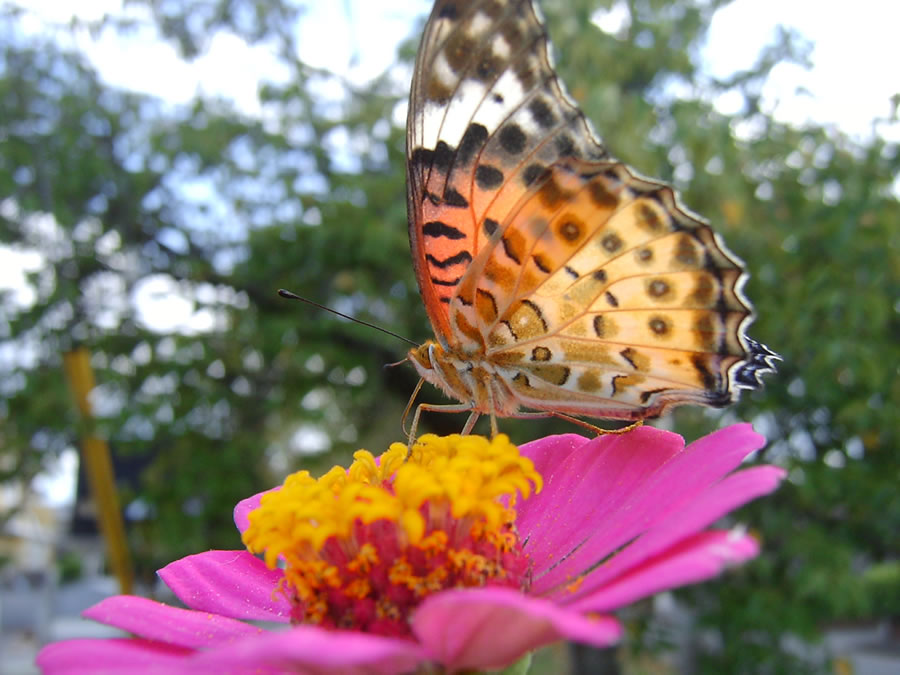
{"points": [[556, 279]]}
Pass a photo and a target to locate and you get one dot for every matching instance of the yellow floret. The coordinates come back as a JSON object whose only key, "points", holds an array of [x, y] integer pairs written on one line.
{"points": [[459, 476]]}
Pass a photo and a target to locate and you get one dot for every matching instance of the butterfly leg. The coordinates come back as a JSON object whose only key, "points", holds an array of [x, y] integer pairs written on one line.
{"points": [[598, 430], [574, 420], [490, 393], [446, 408], [409, 405], [467, 427]]}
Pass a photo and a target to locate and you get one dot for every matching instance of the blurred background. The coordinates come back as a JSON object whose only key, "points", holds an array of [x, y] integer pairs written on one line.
{"points": [[166, 166]]}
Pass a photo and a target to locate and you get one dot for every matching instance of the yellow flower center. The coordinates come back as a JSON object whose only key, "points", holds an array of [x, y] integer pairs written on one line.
{"points": [[363, 546]]}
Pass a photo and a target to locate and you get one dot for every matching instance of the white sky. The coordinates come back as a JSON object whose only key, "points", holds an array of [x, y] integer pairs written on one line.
{"points": [[856, 57], [854, 75]]}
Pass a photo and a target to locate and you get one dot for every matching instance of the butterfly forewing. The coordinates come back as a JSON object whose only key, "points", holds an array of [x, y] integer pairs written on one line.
{"points": [[574, 284], [487, 117]]}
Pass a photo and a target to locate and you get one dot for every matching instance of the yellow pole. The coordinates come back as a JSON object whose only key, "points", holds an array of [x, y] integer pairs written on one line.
{"points": [[99, 470]]}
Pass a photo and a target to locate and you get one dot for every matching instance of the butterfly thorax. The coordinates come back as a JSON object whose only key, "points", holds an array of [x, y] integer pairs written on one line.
{"points": [[465, 377]]}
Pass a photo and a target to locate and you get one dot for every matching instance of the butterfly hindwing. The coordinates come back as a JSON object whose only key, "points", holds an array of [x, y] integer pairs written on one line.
{"points": [[606, 296]]}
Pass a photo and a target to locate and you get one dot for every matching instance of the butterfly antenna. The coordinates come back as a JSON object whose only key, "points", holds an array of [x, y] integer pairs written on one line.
{"points": [[293, 296]]}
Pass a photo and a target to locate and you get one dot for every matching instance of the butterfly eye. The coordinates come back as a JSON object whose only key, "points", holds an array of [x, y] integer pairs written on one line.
{"points": [[422, 355]]}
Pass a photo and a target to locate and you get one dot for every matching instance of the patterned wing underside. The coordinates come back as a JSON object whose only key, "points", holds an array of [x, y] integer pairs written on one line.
{"points": [[588, 288], [599, 294]]}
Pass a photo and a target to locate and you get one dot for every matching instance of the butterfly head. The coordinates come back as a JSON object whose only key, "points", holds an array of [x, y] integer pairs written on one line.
{"points": [[422, 357], [435, 364], [454, 374]]}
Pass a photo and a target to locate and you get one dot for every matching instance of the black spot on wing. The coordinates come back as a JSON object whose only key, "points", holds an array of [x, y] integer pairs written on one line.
{"points": [[488, 177], [565, 146], [659, 326], [645, 395], [473, 139], [541, 264], [658, 288], [449, 11], [551, 194], [443, 157], [510, 251], [532, 172], [453, 198], [487, 67], [461, 257], [602, 197], [438, 229], [443, 282], [648, 218], [611, 242], [571, 228], [440, 158], [512, 139], [542, 113], [522, 379], [709, 380], [423, 159]]}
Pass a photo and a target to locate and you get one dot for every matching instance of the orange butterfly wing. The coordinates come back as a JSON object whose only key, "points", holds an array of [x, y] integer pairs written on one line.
{"points": [[578, 285], [478, 131], [617, 303]]}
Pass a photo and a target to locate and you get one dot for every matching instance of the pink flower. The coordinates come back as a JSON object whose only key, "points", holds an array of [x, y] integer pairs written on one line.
{"points": [[619, 518]]}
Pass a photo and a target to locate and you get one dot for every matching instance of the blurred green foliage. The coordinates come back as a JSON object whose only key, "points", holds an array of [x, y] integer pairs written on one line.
{"points": [[122, 194]]}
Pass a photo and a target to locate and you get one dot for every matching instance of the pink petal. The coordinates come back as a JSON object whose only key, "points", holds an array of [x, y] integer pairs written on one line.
{"points": [[231, 583], [114, 655], [585, 490], [245, 506], [549, 453], [493, 627], [697, 558], [312, 650], [727, 495], [156, 621], [631, 503]]}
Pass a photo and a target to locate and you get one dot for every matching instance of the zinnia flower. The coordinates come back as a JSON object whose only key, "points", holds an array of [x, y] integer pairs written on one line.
{"points": [[467, 555]]}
